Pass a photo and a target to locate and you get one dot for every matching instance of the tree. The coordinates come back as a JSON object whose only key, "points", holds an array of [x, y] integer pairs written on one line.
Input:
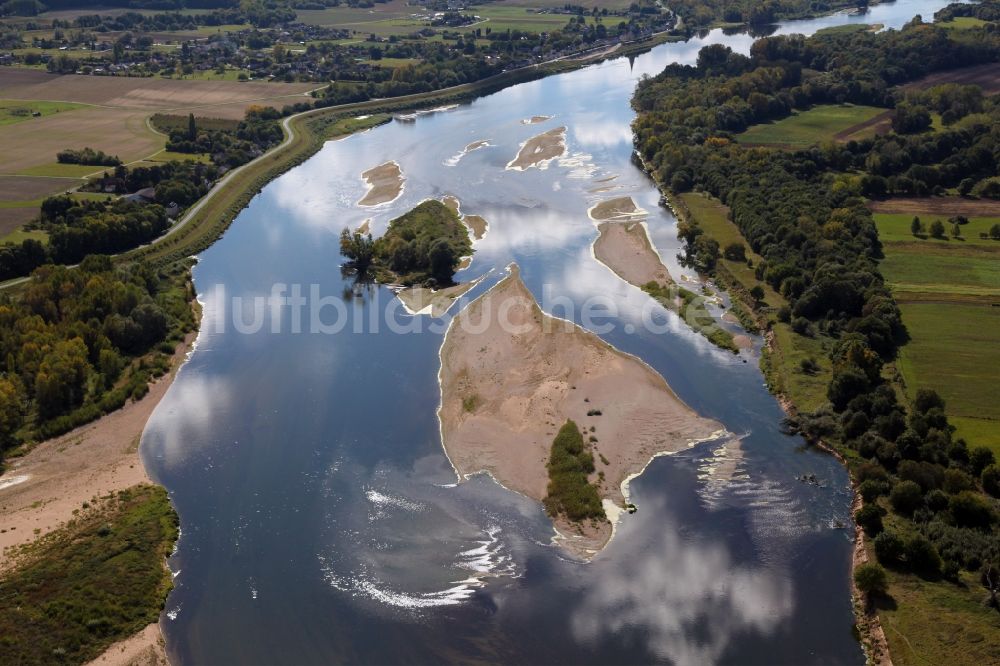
{"points": [[980, 458], [735, 252], [192, 128], [869, 518], [990, 479], [871, 579], [906, 497], [442, 261], [937, 229], [757, 293], [995, 232], [11, 410], [922, 556], [916, 227], [359, 250], [956, 231], [970, 509], [888, 548]]}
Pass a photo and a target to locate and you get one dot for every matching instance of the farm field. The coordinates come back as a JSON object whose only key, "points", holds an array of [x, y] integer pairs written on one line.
{"points": [[948, 292], [103, 113], [821, 123]]}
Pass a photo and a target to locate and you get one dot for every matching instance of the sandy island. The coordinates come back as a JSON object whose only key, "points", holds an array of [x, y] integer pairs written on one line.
{"points": [[41, 490], [619, 208], [385, 183], [539, 150], [624, 247], [477, 225], [506, 390], [534, 120]]}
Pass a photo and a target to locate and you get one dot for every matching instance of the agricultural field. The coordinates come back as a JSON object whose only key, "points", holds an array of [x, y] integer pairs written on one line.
{"points": [[825, 122], [949, 293]]}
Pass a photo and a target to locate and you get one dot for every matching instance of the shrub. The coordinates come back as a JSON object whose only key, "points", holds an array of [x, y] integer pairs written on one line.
{"points": [[990, 479], [871, 489], [869, 518], [871, 579], [906, 497], [969, 509], [922, 556], [888, 548], [569, 491]]}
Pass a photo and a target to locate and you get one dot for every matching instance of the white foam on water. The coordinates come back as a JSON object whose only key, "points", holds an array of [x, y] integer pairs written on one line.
{"points": [[384, 501]]}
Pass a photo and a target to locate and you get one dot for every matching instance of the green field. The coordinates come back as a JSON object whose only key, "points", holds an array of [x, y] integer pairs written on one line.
{"points": [[896, 227], [16, 237], [805, 128], [948, 291], [170, 156], [18, 111], [962, 23], [934, 271]]}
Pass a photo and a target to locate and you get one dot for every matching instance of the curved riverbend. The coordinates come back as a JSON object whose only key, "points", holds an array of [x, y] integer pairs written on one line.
{"points": [[321, 521]]}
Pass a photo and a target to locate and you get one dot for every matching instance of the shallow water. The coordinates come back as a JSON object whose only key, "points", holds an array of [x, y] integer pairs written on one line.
{"points": [[320, 517]]}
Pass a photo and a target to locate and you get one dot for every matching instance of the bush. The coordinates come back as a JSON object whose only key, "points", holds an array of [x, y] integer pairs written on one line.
{"points": [[922, 556], [569, 491], [871, 489], [871, 579], [869, 518], [969, 509], [990, 479], [888, 548], [735, 252], [906, 497]]}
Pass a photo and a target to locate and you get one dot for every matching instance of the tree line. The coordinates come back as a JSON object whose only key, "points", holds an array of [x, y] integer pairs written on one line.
{"points": [[803, 212]]}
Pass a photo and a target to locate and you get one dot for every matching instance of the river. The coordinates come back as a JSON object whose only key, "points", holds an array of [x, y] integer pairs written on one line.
{"points": [[320, 518]]}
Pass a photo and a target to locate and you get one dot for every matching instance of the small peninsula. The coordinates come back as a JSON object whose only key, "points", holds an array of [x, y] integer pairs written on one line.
{"points": [[513, 379]]}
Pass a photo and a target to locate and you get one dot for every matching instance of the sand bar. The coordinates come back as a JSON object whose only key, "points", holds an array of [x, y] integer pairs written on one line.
{"points": [[433, 302], [619, 208], [385, 183], [365, 227], [478, 224], [534, 120], [511, 376], [624, 247], [539, 150]]}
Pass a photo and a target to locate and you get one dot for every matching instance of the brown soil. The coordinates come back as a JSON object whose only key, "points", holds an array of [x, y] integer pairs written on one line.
{"points": [[145, 648], [985, 76], [511, 376], [941, 206]]}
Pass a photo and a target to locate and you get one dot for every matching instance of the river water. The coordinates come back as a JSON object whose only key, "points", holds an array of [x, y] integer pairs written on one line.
{"points": [[320, 518]]}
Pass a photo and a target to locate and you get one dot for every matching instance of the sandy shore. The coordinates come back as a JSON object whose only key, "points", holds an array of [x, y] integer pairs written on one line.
{"points": [[385, 183], [146, 648], [539, 150], [433, 302], [478, 224], [511, 376], [625, 248], [56, 477], [365, 227]]}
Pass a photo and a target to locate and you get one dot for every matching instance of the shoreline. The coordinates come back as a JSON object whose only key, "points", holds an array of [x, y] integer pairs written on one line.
{"points": [[66, 472], [871, 632]]}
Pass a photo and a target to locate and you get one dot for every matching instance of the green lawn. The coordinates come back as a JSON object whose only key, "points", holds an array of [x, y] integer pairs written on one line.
{"points": [[18, 111], [805, 128], [169, 156], [962, 23]]}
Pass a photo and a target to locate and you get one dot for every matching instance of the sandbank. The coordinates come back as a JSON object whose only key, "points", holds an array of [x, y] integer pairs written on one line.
{"points": [[539, 150], [619, 208], [433, 302], [534, 120], [511, 376], [477, 224], [624, 247], [385, 184]]}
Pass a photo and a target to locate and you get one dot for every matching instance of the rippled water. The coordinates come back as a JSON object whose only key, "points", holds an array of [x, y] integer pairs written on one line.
{"points": [[321, 521]]}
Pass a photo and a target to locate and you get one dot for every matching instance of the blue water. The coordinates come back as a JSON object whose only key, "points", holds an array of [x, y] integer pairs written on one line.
{"points": [[320, 518]]}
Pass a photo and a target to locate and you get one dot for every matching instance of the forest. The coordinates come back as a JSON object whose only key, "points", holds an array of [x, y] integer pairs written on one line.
{"points": [[77, 343], [803, 212]]}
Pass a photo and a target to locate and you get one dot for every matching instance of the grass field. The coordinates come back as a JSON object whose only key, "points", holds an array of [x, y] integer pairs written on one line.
{"points": [[16, 237], [18, 111], [805, 128], [895, 227], [948, 292]]}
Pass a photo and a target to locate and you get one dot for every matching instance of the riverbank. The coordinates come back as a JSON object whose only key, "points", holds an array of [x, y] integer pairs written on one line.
{"points": [[48, 487], [511, 376]]}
